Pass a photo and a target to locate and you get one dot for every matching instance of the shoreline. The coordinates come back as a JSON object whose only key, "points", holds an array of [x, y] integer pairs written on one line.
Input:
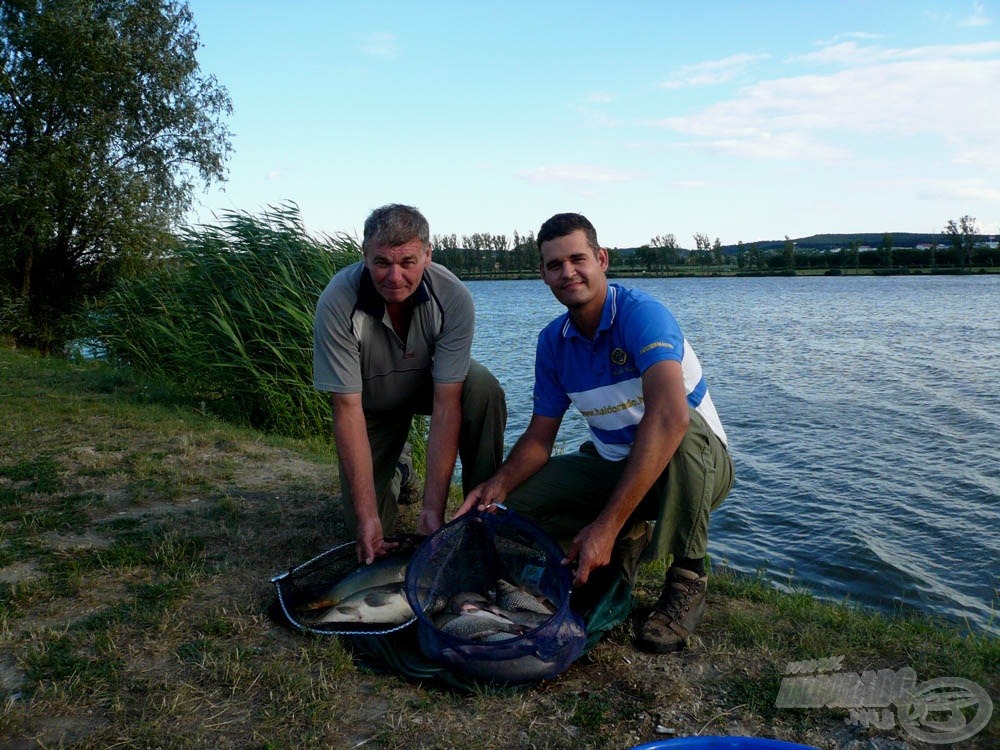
{"points": [[806, 273]]}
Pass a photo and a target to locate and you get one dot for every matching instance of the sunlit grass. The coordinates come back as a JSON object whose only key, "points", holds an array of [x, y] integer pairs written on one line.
{"points": [[133, 606]]}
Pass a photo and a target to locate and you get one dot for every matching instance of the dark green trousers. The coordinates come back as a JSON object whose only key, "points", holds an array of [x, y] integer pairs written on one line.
{"points": [[480, 442], [571, 489]]}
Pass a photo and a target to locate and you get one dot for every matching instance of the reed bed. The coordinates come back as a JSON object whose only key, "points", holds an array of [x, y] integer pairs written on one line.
{"points": [[225, 323]]}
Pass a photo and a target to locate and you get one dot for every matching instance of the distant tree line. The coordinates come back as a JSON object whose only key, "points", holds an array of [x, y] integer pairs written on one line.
{"points": [[484, 254], [959, 247]]}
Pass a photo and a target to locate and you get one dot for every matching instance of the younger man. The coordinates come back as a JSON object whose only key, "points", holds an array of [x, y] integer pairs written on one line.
{"points": [[658, 449]]}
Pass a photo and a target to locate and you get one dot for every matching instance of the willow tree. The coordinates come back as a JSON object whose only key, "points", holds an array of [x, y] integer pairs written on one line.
{"points": [[107, 125]]}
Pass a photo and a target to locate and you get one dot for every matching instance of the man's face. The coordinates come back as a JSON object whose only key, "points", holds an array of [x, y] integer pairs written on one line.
{"points": [[396, 271], [571, 270]]}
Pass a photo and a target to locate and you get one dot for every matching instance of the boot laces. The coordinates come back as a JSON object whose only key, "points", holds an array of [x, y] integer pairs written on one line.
{"points": [[677, 596]]}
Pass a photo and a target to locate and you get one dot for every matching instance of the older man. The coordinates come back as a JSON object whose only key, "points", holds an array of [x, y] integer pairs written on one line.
{"points": [[392, 338]]}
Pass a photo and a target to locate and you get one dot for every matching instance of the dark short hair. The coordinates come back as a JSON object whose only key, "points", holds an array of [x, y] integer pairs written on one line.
{"points": [[393, 225], [562, 224]]}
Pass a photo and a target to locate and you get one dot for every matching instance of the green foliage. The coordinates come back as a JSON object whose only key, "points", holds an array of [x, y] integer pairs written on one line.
{"points": [[962, 237], [228, 321], [106, 125], [42, 472], [60, 658]]}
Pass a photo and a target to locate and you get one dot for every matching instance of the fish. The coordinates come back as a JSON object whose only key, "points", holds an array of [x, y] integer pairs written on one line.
{"points": [[508, 611], [464, 600], [503, 635], [383, 605], [490, 614], [517, 598], [380, 573], [521, 669], [474, 626], [529, 620], [435, 605]]}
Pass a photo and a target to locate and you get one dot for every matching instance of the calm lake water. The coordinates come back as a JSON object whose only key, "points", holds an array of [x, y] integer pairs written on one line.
{"points": [[863, 415]]}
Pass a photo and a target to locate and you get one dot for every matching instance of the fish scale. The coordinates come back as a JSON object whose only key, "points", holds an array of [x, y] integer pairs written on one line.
{"points": [[510, 596], [380, 604]]}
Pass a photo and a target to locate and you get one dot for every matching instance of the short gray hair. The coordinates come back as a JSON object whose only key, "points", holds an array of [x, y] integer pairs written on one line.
{"points": [[393, 225]]}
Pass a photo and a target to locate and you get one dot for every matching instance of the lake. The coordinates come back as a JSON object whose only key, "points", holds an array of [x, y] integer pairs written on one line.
{"points": [[863, 414]]}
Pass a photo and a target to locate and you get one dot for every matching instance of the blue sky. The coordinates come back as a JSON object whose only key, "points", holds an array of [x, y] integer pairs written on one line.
{"points": [[744, 121]]}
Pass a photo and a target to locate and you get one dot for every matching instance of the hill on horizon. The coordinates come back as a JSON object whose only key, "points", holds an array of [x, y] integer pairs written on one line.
{"points": [[828, 242]]}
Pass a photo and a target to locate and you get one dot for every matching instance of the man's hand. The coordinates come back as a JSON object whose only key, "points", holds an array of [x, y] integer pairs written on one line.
{"points": [[370, 543], [429, 521], [483, 497], [528, 455], [591, 549]]}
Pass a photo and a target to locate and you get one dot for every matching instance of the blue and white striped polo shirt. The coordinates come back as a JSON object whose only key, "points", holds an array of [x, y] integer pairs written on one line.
{"points": [[603, 377]]}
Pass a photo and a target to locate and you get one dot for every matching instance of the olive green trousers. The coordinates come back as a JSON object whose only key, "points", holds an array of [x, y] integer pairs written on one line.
{"points": [[571, 489], [480, 442]]}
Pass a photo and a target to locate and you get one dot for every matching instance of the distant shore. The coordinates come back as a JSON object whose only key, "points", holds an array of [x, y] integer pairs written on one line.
{"points": [[635, 273]]}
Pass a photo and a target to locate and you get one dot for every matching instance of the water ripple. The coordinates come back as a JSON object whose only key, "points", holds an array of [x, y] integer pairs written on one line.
{"points": [[864, 421]]}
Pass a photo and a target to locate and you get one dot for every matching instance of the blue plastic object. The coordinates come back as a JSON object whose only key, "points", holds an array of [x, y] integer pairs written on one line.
{"points": [[722, 743]]}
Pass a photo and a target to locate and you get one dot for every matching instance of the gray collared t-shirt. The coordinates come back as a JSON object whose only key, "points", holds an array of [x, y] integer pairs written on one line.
{"points": [[356, 350]]}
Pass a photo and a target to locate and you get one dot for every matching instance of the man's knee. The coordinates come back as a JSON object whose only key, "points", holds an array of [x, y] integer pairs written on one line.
{"points": [[482, 391]]}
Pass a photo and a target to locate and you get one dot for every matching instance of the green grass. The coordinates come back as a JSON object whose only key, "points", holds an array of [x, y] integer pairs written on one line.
{"points": [[137, 542]]}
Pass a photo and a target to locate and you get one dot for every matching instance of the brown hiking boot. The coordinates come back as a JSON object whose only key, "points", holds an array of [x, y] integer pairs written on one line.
{"points": [[676, 613]]}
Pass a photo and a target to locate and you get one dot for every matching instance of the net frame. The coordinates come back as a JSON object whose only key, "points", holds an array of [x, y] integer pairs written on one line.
{"points": [[502, 545], [303, 583]]}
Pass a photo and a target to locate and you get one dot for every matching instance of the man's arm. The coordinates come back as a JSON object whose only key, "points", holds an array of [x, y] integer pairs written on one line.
{"points": [[442, 450], [351, 438], [660, 432], [527, 456]]}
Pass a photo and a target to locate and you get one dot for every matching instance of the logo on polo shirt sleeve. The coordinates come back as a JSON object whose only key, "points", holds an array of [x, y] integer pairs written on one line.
{"points": [[654, 345]]}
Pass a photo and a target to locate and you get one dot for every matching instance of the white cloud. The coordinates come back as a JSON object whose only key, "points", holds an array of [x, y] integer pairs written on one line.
{"points": [[942, 91], [978, 17], [379, 44], [598, 119], [851, 54], [576, 173], [274, 174], [781, 146], [711, 72], [978, 158], [964, 190], [849, 35], [594, 115]]}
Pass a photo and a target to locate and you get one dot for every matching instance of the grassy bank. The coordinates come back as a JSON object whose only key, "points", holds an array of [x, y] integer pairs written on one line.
{"points": [[137, 540]]}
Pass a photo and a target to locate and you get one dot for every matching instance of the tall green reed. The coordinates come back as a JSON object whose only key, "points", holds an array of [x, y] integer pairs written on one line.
{"points": [[226, 321]]}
